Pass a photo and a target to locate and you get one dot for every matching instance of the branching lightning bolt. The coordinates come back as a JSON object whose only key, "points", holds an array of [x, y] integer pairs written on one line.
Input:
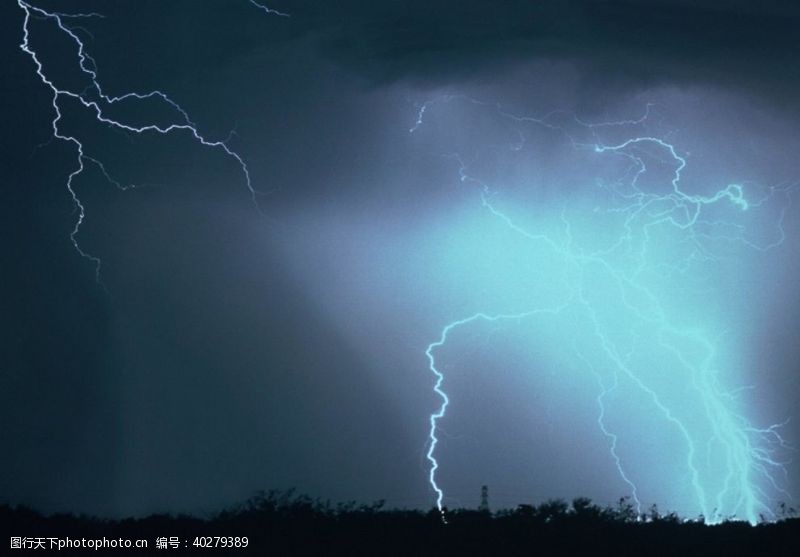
{"points": [[747, 450], [97, 101]]}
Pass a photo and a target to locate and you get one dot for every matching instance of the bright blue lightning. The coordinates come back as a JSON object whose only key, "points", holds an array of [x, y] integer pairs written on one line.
{"points": [[624, 332], [439, 414], [267, 10], [94, 99], [613, 438]]}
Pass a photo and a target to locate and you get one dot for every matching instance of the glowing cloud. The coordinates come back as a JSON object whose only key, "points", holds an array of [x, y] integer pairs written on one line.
{"points": [[629, 257]]}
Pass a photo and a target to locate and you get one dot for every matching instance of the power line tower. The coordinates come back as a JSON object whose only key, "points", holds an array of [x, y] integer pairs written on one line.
{"points": [[484, 506]]}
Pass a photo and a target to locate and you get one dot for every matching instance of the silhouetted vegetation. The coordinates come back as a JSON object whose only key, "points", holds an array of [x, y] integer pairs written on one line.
{"points": [[285, 523]]}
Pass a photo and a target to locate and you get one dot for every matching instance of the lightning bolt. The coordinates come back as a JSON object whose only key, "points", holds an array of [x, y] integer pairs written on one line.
{"points": [[747, 452], [97, 102], [440, 413], [267, 10]]}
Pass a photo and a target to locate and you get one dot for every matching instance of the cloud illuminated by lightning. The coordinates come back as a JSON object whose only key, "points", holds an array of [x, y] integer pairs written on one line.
{"points": [[97, 102], [730, 464]]}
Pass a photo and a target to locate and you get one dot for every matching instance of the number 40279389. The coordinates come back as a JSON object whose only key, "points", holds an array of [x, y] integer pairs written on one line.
{"points": [[221, 541]]}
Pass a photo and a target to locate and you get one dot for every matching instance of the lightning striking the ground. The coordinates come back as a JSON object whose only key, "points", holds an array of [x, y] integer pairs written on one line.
{"points": [[97, 102], [618, 298], [618, 293]]}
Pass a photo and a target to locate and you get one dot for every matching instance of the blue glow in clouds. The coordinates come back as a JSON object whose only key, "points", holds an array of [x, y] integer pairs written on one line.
{"points": [[637, 272]]}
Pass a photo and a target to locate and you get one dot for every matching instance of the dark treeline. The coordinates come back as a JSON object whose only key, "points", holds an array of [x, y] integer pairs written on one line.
{"points": [[283, 523]]}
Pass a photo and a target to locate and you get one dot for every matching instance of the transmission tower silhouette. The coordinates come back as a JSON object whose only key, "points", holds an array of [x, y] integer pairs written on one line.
{"points": [[484, 506]]}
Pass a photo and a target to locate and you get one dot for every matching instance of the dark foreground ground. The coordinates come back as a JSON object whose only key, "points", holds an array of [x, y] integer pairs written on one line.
{"points": [[284, 524]]}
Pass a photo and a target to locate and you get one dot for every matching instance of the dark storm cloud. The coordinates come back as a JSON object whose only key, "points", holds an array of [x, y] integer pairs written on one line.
{"points": [[644, 43]]}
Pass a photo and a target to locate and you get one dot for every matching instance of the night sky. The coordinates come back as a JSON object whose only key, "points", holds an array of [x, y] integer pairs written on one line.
{"points": [[410, 161]]}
